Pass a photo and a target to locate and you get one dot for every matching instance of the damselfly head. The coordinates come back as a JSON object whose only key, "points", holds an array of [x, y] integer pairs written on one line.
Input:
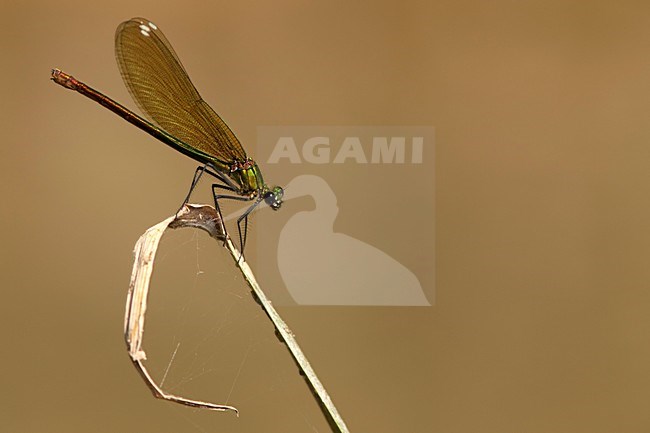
{"points": [[273, 197]]}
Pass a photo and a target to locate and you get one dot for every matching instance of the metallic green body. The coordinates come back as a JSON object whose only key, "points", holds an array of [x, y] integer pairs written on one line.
{"points": [[249, 179]]}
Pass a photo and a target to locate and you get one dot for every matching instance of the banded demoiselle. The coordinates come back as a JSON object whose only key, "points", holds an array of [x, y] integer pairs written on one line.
{"points": [[179, 117]]}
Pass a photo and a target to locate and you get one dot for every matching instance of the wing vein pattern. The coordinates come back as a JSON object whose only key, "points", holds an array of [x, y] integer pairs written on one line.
{"points": [[163, 91]]}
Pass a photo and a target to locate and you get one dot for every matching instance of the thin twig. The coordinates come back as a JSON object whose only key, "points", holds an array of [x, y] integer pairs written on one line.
{"points": [[327, 405], [207, 218]]}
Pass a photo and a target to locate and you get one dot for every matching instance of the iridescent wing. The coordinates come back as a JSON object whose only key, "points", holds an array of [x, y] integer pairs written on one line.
{"points": [[160, 86]]}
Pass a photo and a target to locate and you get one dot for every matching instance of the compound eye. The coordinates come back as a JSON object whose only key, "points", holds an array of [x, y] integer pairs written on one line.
{"points": [[269, 198]]}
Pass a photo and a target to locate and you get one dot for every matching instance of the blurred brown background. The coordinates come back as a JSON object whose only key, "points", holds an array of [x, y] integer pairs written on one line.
{"points": [[542, 179]]}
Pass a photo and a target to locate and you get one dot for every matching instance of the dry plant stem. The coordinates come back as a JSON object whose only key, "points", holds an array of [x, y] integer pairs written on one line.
{"points": [[334, 418], [206, 218], [136, 302]]}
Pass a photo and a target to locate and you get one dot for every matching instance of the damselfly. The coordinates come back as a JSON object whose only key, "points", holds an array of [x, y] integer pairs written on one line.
{"points": [[179, 117]]}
